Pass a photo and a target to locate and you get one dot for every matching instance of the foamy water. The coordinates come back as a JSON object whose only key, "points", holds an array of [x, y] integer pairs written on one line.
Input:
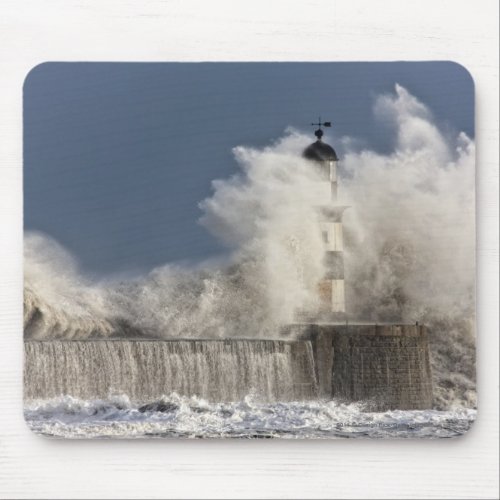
{"points": [[177, 416]]}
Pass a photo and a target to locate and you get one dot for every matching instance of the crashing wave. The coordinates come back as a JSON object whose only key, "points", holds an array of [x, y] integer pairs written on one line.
{"points": [[409, 252]]}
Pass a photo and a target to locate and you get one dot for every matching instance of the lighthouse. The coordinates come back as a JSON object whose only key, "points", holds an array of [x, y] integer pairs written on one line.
{"points": [[331, 286]]}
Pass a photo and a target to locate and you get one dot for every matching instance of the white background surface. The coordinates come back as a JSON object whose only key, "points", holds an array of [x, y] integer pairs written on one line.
{"points": [[180, 30]]}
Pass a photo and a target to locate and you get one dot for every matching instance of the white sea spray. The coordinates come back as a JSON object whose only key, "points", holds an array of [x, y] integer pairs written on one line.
{"points": [[409, 251]]}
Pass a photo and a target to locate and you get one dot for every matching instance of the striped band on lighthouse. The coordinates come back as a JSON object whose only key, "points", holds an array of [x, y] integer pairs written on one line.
{"points": [[331, 286]]}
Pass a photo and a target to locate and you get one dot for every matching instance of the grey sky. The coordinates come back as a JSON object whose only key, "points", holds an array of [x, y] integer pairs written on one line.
{"points": [[117, 156]]}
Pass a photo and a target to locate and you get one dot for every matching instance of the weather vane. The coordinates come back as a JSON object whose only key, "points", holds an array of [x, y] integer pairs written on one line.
{"points": [[319, 132], [319, 124]]}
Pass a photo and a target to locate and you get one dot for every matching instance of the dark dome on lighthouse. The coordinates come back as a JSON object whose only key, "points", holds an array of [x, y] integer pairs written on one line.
{"points": [[319, 150]]}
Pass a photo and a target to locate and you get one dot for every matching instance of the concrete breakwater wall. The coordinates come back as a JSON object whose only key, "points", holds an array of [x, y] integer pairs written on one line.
{"points": [[386, 364], [217, 370]]}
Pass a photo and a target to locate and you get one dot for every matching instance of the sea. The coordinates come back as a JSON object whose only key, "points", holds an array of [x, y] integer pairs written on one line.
{"points": [[176, 416]]}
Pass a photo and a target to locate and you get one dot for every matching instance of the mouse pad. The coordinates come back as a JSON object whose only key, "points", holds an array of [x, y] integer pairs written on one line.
{"points": [[249, 250]]}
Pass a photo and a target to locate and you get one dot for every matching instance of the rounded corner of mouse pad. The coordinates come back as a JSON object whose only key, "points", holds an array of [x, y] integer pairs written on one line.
{"points": [[249, 250]]}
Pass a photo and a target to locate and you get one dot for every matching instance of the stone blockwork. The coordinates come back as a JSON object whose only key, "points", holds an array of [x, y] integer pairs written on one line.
{"points": [[387, 365]]}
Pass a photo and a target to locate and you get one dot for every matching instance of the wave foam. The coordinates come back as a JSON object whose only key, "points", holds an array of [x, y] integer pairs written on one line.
{"points": [[177, 416]]}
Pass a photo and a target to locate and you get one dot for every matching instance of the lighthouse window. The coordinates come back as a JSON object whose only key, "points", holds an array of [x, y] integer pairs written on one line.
{"points": [[325, 236]]}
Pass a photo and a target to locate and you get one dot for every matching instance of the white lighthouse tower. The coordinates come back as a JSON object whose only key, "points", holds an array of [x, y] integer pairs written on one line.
{"points": [[331, 287]]}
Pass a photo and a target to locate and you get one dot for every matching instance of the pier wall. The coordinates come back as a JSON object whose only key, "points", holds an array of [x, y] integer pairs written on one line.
{"points": [[387, 365]]}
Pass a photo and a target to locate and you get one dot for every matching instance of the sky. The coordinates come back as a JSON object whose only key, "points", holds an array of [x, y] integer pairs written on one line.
{"points": [[117, 156]]}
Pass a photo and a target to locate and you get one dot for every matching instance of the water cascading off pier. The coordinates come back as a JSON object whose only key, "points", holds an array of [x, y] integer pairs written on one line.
{"points": [[217, 370]]}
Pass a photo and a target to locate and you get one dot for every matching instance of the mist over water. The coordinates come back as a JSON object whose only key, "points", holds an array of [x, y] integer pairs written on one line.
{"points": [[409, 251], [266, 216], [410, 231]]}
